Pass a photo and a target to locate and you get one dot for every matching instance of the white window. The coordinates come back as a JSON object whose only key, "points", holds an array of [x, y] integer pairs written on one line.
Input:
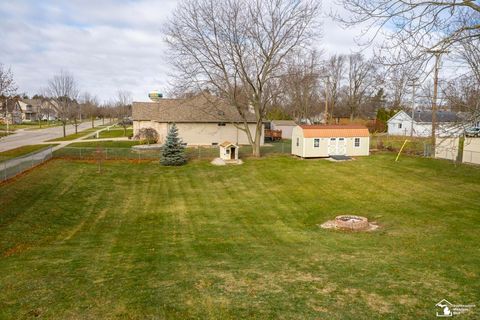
{"points": [[316, 143], [298, 142], [357, 142], [399, 126]]}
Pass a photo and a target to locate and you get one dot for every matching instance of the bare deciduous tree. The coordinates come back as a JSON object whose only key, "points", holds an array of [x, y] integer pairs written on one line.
{"points": [[63, 90], [123, 107], [361, 82], [414, 28], [89, 105], [300, 85], [334, 68], [469, 51], [7, 83], [237, 49]]}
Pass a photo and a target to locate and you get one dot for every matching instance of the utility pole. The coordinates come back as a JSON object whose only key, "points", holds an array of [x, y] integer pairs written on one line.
{"points": [[6, 114], [325, 113], [325, 116], [437, 54], [413, 85]]}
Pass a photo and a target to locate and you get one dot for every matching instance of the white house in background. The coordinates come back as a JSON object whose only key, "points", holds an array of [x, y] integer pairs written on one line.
{"points": [[401, 124], [285, 125], [312, 141], [201, 120]]}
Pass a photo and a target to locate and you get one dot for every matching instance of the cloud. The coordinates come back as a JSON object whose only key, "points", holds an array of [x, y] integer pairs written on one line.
{"points": [[107, 45]]}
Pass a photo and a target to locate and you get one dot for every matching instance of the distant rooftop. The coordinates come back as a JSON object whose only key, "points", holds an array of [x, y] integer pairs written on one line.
{"points": [[196, 109], [442, 116]]}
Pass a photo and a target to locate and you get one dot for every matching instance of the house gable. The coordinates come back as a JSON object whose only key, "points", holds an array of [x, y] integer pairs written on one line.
{"points": [[400, 116]]}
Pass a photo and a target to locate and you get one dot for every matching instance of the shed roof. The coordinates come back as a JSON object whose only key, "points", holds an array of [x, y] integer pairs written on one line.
{"points": [[195, 109], [227, 144], [327, 131]]}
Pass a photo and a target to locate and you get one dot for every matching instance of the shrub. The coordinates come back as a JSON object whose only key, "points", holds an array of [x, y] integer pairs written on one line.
{"points": [[147, 135]]}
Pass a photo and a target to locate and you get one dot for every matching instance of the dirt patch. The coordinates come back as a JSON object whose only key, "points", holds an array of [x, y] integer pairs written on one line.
{"points": [[17, 249], [374, 301]]}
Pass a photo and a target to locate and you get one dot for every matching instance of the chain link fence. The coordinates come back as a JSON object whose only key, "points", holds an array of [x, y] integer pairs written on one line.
{"points": [[13, 167], [415, 146], [193, 152]]}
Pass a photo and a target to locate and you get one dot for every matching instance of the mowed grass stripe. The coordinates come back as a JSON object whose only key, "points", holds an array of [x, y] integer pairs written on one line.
{"points": [[141, 240]]}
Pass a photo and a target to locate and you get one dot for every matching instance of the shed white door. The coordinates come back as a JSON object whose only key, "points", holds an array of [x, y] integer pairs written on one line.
{"points": [[341, 146], [337, 147], [332, 146]]}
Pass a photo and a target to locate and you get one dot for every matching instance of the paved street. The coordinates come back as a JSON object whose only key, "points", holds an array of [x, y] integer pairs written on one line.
{"points": [[26, 137]]}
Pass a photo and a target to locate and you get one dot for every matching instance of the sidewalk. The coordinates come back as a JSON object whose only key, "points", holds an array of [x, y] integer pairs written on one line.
{"points": [[39, 156]]}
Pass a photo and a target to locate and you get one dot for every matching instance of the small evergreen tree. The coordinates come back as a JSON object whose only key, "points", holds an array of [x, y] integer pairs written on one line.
{"points": [[173, 152]]}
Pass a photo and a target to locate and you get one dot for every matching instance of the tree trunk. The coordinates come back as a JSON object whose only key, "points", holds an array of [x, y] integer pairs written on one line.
{"points": [[64, 129], [93, 124], [76, 125], [257, 141], [124, 131]]}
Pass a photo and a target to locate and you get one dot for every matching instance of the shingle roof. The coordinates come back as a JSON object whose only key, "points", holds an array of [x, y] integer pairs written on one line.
{"points": [[442, 116], [284, 122], [326, 131], [196, 109], [33, 102]]}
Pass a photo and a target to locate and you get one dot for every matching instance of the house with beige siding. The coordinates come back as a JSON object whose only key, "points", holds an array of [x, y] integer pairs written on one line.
{"points": [[314, 141], [200, 120]]}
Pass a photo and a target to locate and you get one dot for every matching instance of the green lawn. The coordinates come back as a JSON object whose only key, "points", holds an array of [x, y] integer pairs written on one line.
{"points": [[105, 144], [21, 151], [141, 241], [4, 134], [115, 133], [74, 136]]}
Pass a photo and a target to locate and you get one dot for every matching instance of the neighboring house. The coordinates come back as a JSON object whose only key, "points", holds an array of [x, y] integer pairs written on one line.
{"points": [[285, 125], [49, 110], [27, 110], [329, 140], [401, 124], [200, 121], [30, 109], [40, 109], [10, 112]]}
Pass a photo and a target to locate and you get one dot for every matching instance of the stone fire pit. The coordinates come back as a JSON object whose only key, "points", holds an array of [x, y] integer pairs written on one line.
{"points": [[350, 223]]}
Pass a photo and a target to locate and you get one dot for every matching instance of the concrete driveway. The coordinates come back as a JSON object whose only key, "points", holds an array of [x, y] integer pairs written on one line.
{"points": [[26, 137]]}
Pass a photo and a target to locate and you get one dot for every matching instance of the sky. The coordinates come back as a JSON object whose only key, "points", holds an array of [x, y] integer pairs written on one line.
{"points": [[107, 45]]}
